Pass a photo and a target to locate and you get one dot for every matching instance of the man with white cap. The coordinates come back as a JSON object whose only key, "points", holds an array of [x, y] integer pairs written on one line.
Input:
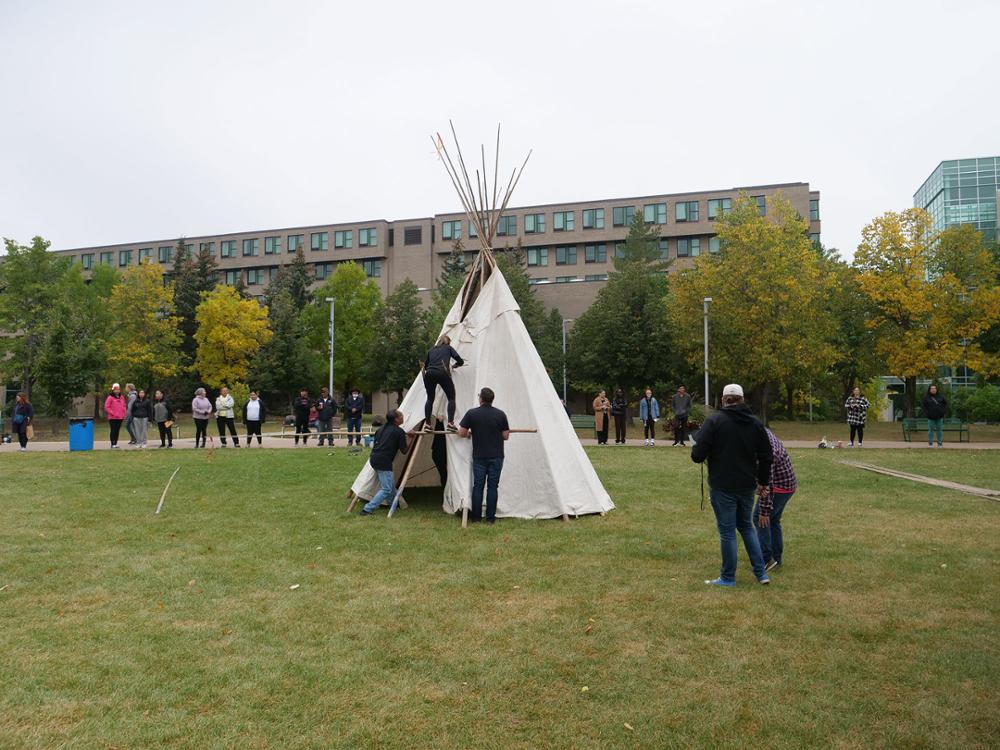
{"points": [[738, 451]]}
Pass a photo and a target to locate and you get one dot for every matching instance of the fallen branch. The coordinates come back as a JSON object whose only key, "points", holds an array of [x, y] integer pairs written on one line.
{"points": [[163, 497]]}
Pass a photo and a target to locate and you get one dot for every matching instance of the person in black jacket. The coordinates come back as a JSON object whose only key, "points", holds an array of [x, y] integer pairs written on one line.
{"points": [[619, 407], [301, 407], [254, 415], [326, 407], [354, 408], [935, 406], [437, 372], [21, 418], [163, 415], [739, 456], [141, 411]]}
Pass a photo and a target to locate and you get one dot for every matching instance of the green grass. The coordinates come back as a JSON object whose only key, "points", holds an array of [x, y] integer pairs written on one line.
{"points": [[123, 629]]}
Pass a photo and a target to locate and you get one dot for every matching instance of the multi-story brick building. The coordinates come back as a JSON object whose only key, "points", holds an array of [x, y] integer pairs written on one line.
{"points": [[570, 247]]}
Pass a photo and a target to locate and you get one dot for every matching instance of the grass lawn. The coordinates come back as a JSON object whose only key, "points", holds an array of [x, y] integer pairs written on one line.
{"points": [[121, 629]]}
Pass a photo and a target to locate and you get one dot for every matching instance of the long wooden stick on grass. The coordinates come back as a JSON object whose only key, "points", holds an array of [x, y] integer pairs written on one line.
{"points": [[163, 497]]}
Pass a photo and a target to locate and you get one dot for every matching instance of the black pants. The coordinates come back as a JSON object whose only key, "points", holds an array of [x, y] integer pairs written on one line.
{"points": [[22, 435], [602, 428], [222, 423], [649, 429], [116, 427], [253, 428], [200, 432], [680, 428], [302, 426], [166, 434], [433, 379], [619, 428], [325, 425], [859, 430]]}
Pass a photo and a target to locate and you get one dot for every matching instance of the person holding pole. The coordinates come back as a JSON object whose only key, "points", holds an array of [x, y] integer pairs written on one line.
{"points": [[488, 428], [437, 372], [389, 440]]}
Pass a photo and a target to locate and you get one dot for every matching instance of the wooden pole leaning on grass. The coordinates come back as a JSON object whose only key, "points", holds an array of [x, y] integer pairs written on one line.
{"points": [[163, 497], [410, 457]]}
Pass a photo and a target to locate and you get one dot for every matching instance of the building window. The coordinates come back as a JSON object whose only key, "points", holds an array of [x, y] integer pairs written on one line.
{"points": [[538, 256], [593, 218], [319, 241], [663, 245], [565, 279], [255, 276], [507, 227], [373, 268], [272, 273], [566, 255], [251, 247], [814, 209], [231, 278], [295, 242], [189, 248], [596, 253], [343, 239], [719, 207], [472, 230], [413, 235], [714, 244], [124, 257], [367, 237], [761, 204], [814, 237], [563, 221], [622, 216], [655, 213], [452, 230], [619, 250], [688, 247], [534, 223], [87, 261], [596, 277], [686, 211], [145, 255], [206, 247], [535, 282], [227, 249], [166, 254], [323, 270], [272, 245]]}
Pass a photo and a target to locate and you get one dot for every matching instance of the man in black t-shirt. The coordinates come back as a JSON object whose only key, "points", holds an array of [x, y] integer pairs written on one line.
{"points": [[389, 440], [488, 429]]}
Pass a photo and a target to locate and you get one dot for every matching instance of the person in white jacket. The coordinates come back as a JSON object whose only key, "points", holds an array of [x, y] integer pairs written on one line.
{"points": [[225, 416]]}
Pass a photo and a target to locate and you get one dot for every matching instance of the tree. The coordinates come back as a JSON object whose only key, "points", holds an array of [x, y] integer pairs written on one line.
{"points": [[642, 245], [145, 343], [449, 284], [928, 302], [230, 332], [767, 286], [401, 341], [284, 364], [296, 278], [358, 308], [29, 289], [193, 276]]}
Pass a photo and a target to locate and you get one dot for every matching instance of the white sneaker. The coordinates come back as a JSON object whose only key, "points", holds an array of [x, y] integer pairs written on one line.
{"points": [[22, 449], [652, 443]]}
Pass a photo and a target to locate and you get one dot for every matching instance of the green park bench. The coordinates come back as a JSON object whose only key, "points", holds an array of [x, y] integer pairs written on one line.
{"points": [[584, 422], [918, 426]]}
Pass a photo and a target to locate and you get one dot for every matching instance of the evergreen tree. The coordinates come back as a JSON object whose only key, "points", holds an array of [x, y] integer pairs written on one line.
{"points": [[284, 364], [642, 246], [401, 341], [449, 285], [192, 277]]}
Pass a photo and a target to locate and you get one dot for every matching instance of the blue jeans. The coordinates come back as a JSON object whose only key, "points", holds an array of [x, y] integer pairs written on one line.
{"points": [[771, 542], [388, 490], [354, 425], [934, 425], [733, 512], [485, 472]]}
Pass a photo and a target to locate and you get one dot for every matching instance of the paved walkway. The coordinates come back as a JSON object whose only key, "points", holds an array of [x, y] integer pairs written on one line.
{"points": [[341, 445]]}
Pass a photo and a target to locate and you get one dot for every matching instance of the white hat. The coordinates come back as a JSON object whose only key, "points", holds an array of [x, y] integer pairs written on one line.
{"points": [[115, 385], [733, 389]]}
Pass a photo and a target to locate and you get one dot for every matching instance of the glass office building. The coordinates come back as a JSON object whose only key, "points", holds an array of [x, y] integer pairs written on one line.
{"points": [[962, 191]]}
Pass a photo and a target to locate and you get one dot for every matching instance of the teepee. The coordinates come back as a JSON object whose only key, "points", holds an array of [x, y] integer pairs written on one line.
{"points": [[546, 473]]}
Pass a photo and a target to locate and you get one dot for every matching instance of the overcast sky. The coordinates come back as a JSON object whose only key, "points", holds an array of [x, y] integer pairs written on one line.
{"points": [[129, 121]]}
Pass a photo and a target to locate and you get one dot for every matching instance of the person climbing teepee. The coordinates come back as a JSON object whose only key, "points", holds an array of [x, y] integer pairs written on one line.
{"points": [[437, 372]]}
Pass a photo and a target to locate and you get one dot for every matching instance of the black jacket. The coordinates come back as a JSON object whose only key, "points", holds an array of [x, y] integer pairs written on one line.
{"points": [[263, 412], [935, 406], [326, 408], [301, 406], [355, 405], [619, 406], [439, 358], [142, 408], [737, 448]]}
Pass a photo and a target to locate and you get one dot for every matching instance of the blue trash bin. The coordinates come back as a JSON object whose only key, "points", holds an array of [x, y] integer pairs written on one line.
{"points": [[81, 433]]}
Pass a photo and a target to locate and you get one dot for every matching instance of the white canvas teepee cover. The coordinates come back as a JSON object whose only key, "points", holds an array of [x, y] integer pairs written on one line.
{"points": [[545, 474]]}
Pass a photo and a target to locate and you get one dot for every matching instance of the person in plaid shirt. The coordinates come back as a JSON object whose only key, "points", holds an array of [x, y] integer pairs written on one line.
{"points": [[857, 412], [771, 504]]}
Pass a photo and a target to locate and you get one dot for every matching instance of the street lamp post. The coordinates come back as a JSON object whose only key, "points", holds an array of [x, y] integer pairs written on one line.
{"points": [[565, 321], [332, 301], [706, 302]]}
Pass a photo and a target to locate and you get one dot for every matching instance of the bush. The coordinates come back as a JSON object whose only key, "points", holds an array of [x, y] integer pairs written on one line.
{"points": [[984, 404]]}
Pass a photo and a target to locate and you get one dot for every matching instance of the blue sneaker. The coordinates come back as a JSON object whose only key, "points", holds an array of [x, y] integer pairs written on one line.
{"points": [[763, 580], [720, 582]]}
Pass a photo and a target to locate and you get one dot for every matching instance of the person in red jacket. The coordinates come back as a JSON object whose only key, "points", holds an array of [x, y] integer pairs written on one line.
{"points": [[114, 409]]}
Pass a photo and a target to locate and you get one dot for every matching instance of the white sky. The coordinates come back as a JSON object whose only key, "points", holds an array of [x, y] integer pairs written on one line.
{"points": [[128, 121]]}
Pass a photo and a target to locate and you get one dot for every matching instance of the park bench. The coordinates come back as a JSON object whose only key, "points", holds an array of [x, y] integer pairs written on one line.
{"points": [[584, 422], [918, 426]]}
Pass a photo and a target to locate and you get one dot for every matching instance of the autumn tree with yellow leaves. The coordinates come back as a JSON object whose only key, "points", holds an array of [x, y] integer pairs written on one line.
{"points": [[230, 331], [932, 295]]}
